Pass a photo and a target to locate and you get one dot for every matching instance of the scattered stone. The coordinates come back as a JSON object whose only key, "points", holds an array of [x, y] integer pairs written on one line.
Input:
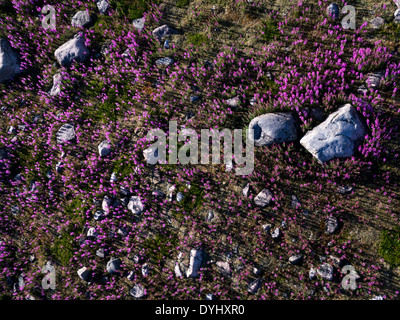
{"points": [[224, 268], [254, 286], [103, 6], [139, 23], [56, 88], [332, 225], [145, 270], [66, 133], [9, 61], [264, 198], [151, 155], [374, 79], [233, 102], [166, 44], [273, 128], [312, 274], [325, 271], [362, 89], [295, 202], [137, 291], [113, 178], [210, 216], [166, 61], [196, 259], [131, 276], [122, 232], [99, 214], [267, 227], [136, 205], [177, 270], [210, 296], [337, 137], [81, 19], [246, 190], [92, 233], [85, 274], [344, 189], [163, 31], [333, 11], [194, 99], [179, 197], [377, 22], [296, 259], [397, 15], [73, 50], [104, 148], [59, 167], [106, 48], [114, 266], [257, 271], [106, 204], [276, 233]]}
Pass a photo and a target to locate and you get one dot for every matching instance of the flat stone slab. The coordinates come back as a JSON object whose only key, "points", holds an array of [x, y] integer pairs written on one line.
{"points": [[196, 259], [337, 137]]}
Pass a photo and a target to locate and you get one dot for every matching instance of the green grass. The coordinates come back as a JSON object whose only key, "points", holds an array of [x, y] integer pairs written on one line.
{"points": [[197, 39], [63, 249], [390, 246], [391, 31], [161, 245], [182, 3], [132, 9], [269, 29]]}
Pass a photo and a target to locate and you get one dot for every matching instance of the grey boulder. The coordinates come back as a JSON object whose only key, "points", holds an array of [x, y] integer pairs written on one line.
{"points": [[138, 23], [137, 291], [163, 31], [104, 148], [337, 137], [66, 133], [81, 19], [114, 266], [135, 205], [9, 61], [103, 6], [325, 271], [264, 198], [73, 50], [84, 274], [333, 11], [273, 128], [56, 88]]}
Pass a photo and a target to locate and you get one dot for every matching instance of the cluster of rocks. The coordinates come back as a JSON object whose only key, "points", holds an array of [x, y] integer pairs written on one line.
{"points": [[337, 137]]}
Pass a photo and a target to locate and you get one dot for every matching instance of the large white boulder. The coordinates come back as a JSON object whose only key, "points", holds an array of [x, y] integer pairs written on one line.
{"points": [[337, 137]]}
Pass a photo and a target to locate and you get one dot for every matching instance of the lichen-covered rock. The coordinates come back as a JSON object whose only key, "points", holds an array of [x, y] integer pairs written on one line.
{"points": [[114, 266], [273, 128], [9, 61], [73, 50], [337, 137], [326, 271]]}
